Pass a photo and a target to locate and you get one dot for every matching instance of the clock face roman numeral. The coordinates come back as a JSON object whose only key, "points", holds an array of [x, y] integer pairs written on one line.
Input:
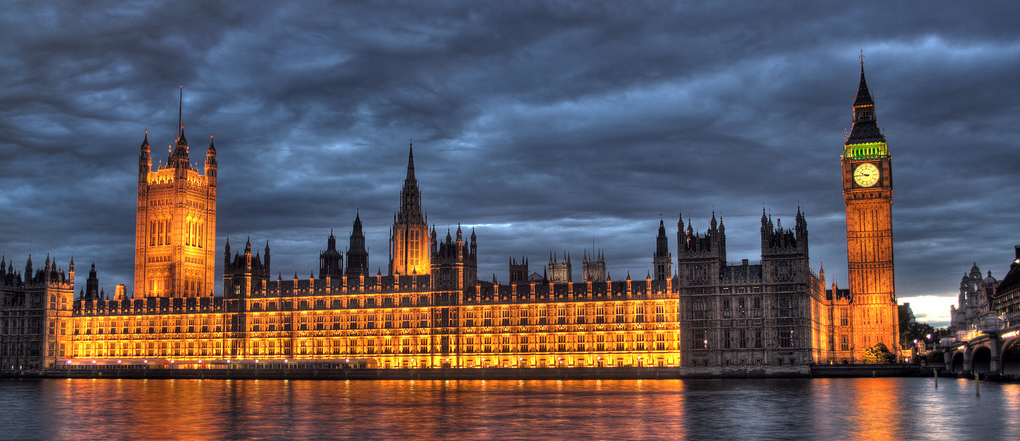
{"points": [[866, 175]]}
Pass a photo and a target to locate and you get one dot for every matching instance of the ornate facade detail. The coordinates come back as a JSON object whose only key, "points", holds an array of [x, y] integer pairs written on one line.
{"points": [[593, 267], [175, 229], [431, 310], [559, 271]]}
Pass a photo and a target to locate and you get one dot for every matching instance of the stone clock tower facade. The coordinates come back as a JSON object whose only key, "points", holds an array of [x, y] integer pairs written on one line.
{"points": [[868, 191], [175, 229]]}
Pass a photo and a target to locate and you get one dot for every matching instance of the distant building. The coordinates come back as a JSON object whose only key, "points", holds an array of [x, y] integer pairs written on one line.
{"points": [[1006, 300], [906, 311], [35, 314], [974, 302]]}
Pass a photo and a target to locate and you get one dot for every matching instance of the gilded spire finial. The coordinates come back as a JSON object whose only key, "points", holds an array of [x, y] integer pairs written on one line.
{"points": [[861, 57]]}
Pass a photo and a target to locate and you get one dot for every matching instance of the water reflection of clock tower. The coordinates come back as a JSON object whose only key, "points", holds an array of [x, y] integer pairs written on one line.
{"points": [[867, 191]]}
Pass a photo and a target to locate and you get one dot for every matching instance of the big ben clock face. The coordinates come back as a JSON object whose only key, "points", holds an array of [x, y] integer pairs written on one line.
{"points": [[866, 175]]}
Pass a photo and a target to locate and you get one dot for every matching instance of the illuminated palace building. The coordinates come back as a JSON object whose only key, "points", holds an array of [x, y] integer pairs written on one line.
{"points": [[431, 311]]}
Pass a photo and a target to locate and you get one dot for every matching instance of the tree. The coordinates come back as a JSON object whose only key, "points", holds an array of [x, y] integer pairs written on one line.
{"points": [[879, 354], [916, 331]]}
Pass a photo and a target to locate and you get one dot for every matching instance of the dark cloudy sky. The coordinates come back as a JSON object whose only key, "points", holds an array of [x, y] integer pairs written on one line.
{"points": [[545, 126]]}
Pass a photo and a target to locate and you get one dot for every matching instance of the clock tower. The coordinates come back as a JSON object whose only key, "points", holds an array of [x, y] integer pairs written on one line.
{"points": [[868, 191]]}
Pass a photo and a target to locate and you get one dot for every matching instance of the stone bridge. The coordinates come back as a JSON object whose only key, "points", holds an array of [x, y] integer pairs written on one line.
{"points": [[994, 351]]}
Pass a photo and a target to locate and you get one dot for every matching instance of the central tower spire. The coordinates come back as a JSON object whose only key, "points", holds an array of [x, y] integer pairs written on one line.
{"points": [[410, 250], [175, 223], [180, 114], [179, 156], [410, 195]]}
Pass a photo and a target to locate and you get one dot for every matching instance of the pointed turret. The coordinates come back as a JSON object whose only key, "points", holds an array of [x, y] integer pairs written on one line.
{"points": [[661, 241], [330, 261], [179, 154], [144, 160], [226, 254], [92, 284], [474, 243], [662, 260], [865, 128], [410, 244], [211, 165], [357, 254], [410, 196], [266, 268]]}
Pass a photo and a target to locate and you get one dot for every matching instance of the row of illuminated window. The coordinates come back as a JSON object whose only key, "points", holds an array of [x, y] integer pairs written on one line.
{"points": [[472, 316], [148, 325], [338, 303], [194, 232], [161, 230], [868, 150], [188, 348], [516, 343], [191, 285], [396, 345]]}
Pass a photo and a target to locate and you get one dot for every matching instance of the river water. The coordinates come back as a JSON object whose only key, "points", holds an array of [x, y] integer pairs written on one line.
{"points": [[867, 408]]}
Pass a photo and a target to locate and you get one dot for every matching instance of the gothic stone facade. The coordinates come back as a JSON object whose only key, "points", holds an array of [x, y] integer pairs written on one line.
{"points": [[746, 314], [430, 310], [175, 238], [34, 315]]}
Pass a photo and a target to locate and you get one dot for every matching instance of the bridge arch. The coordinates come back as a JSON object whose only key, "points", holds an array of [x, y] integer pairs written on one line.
{"points": [[1010, 358], [956, 363], [981, 360]]}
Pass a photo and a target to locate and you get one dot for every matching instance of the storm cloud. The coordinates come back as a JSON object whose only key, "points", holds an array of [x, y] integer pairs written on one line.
{"points": [[545, 126]]}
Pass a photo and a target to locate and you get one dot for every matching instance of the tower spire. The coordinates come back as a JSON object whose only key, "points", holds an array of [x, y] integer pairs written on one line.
{"points": [[867, 192], [410, 196], [410, 242], [180, 114], [410, 161], [865, 126]]}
